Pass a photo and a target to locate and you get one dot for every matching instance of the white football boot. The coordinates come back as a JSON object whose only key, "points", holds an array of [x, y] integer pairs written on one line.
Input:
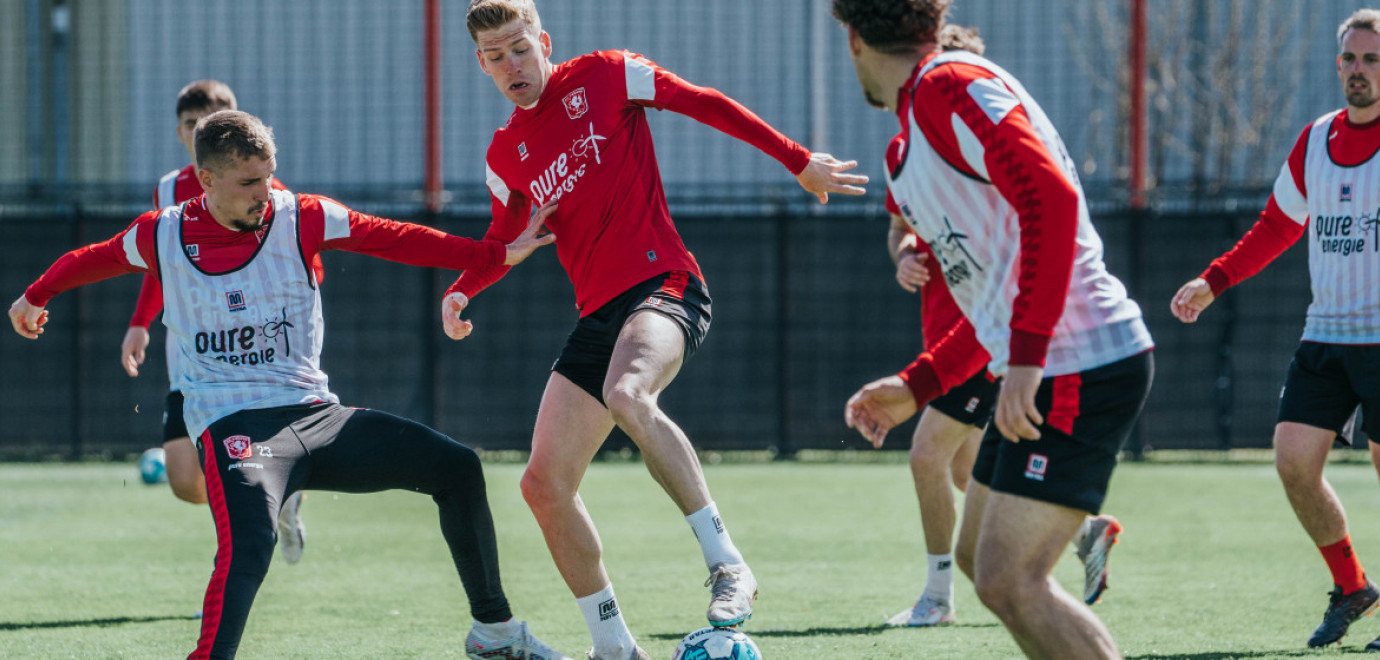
{"points": [[292, 536], [925, 614], [523, 646], [733, 590], [1094, 542]]}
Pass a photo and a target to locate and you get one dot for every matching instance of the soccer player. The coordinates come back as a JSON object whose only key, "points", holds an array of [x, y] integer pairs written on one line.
{"points": [[945, 443], [1328, 181], [196, 100], [579, 135], [985, 181], [244, 312]]}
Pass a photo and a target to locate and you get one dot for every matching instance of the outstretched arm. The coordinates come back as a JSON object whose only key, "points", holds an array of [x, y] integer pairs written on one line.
{"points": [[818, 173], [534, 236]]}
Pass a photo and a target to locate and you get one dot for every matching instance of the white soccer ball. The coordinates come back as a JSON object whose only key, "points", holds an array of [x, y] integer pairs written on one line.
{"points": [[717, 644], [153, 466]]}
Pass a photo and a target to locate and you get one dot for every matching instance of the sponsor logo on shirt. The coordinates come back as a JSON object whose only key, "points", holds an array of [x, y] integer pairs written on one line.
{"points": [[1036, 467], [576, 104], [972, 405], [1346, 193], [239, 447], [522, 151], [247, 345], [1346, 235], [952, 252], [234, 301], [194, 251], [561, 175], [651, 255]]}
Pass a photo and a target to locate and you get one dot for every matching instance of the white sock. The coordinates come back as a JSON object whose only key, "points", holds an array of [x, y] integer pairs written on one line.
{"points": [[713, 537], [606, 626], [501, 630], [940, 584]]}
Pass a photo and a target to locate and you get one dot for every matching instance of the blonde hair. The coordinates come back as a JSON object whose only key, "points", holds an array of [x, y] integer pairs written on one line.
{"points": [[1363, 19]]}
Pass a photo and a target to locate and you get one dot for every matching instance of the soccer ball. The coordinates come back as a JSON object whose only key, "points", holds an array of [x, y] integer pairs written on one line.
{"points": [[717, 644], [153, 466]]}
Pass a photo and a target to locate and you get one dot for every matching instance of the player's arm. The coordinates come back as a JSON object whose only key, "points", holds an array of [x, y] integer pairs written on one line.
{"points": [[1281, 224], [883, 404], [819, 173], [136, 340], [511, 212], [130, 251]]}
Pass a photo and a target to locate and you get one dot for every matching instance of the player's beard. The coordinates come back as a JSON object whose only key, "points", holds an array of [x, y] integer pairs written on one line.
{"points": [[252, 223], [1361, 98]]}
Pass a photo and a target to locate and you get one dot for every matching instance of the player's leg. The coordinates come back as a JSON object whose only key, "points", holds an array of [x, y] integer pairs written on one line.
{"points": [[571, 426], [1020, 541], [965, 548], [649, 353], [1318, 399], [247, 458], [363, 451], [934, 450], [182, 459]]}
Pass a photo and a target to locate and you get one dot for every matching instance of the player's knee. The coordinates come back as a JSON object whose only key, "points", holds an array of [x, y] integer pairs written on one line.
{"points": [[632, 411], [964, 558], [961, 479], [539, 490], [189, 490], [996, 593], [926, 461], [253, 550]]}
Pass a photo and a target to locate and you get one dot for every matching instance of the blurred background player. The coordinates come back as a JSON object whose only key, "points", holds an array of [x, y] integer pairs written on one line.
{"points": [[984, 180], [196, 100], [945, 442], [579, 136], [244, 313], [1329, 180]]}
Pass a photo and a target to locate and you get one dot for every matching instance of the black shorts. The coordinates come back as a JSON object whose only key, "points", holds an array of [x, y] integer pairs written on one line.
{"points": [[679, 295], [1088, 417], [1327, 381], [174, 426], [972, 402]]}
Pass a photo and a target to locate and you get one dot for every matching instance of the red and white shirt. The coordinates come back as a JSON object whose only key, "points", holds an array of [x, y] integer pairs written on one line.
{"points": [[1331, 180], [986, 182], [243, 308], [586, 143]]}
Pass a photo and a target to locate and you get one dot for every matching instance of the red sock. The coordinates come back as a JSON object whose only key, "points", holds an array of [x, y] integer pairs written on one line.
{"points": [[1345, 567]]}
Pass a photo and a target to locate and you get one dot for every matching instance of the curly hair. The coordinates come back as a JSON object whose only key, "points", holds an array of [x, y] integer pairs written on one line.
{"points": [[957, 37], [893, 26]]}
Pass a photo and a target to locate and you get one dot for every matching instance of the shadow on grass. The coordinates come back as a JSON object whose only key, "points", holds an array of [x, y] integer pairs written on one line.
{"points": [[1228, 655], [812, 632], [95, 623]]}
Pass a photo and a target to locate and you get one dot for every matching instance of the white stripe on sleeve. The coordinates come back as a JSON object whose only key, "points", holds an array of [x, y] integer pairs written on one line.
{"points": [[337, 220], [131, 245], [1288, 197], [992, 95], [496, 185], [641, 78]]}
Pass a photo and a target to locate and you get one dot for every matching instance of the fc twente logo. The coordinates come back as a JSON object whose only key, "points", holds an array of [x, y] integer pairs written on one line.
{"points": [[239, 447], [576, 105]]}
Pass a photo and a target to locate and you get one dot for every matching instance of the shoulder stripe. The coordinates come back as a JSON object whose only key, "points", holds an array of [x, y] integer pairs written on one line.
{"points": [[641, 78], [973, 152], [496, 185], [993, 97], [337, 223], [131, 246]]}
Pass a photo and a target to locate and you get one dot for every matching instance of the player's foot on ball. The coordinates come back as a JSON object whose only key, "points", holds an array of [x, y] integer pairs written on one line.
{"points": [[1094, 542], [733, 589], [924, 614], [1341, 611], [638, 654], [522, 644], [292, 536]]}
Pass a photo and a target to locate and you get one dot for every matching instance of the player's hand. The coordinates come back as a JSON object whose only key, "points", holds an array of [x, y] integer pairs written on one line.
{"points": [[878, 407], [28, 320], [132, 349], [531, 238], [825, 175], [911, 272], [451, 307], [1193, 297], [1017, 417]]}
